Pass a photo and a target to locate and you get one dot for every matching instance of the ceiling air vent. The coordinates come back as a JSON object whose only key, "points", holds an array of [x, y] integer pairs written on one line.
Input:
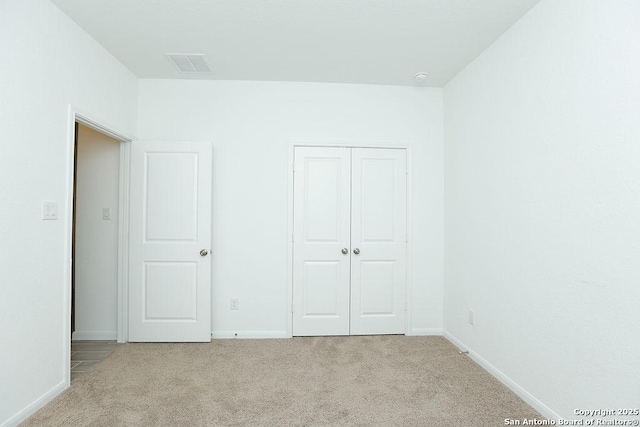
{"points": [[189, 62]]}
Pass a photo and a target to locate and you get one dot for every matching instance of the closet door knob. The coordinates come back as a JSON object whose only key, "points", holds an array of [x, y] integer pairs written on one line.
{"points": [[356, 251], [345, 251], [204, 252]]}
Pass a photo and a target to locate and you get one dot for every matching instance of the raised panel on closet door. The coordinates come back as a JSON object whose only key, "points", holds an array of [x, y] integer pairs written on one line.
{"points": [[378, 241], [321, 270]]}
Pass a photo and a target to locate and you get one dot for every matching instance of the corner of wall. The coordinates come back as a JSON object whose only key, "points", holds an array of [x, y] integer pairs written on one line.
{"points": [[504, 379]]}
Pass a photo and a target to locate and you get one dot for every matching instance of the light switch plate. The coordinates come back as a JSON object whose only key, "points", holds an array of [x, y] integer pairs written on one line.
{"points": [[49, 210], [106, 213]]}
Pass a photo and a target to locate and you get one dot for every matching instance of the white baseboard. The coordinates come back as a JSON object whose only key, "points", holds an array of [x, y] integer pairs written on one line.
{"points": [[424, 332], [283, 334], [249, 334], [512, 385], [35, 406], [94, 335]]}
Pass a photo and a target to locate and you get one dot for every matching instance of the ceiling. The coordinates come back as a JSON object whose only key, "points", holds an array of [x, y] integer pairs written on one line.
{"points": [[340, 41]]}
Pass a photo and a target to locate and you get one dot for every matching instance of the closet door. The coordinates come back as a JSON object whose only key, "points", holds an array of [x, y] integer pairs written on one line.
{"points": [[321, 261], [378, 241]]}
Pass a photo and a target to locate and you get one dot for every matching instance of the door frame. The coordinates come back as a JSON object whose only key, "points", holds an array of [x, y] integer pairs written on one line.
{"points": [[290, 193], [87, 119]]}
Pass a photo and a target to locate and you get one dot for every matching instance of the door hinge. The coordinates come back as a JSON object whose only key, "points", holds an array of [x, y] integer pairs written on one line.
{"points": [[293, 167], [293, 237], [292, 308]]}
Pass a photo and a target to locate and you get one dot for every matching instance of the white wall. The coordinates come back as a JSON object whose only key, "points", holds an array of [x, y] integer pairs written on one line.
{"points": [[96, 259], [46, 63], [252, 125], [542, 205]]}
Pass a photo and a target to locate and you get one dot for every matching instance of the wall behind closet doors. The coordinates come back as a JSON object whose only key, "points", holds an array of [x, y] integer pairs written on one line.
{"points": [[252, 126]]}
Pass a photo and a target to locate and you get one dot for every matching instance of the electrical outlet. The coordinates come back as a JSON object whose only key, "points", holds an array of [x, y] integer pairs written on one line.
{"points": [[235, 304], [471, 315]]}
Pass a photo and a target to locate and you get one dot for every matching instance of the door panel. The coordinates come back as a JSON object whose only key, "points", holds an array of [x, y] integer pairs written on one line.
{"points": [[171, 197], [170, 290], [321, 230], [378, 232], [169, 281], [323, 219], [321, 300], [376, 296]]}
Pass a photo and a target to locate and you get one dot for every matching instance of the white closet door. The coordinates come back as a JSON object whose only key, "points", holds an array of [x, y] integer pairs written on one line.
{"points": [[170, 230], [321, 231], [378, 241]]}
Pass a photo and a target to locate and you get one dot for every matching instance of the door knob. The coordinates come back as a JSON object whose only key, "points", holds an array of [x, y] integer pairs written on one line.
{"points": [[204, 252], [356, 251], [345, 251]]}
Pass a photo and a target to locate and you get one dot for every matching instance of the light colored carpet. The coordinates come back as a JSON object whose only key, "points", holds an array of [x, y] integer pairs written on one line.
{"points": [[360, 381]]}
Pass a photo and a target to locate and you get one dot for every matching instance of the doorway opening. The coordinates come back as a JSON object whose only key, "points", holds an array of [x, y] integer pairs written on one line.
{"points": [[94, 252], [97, 202]]}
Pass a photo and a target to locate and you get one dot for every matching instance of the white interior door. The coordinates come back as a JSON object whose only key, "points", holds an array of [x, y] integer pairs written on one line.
{"points": [[321, 232], [170, 224], [349, 249], [378, 241]]}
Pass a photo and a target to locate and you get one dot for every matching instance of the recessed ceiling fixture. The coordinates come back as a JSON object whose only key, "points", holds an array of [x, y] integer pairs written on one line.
{"points": [[189, 62], [420, 77]]}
